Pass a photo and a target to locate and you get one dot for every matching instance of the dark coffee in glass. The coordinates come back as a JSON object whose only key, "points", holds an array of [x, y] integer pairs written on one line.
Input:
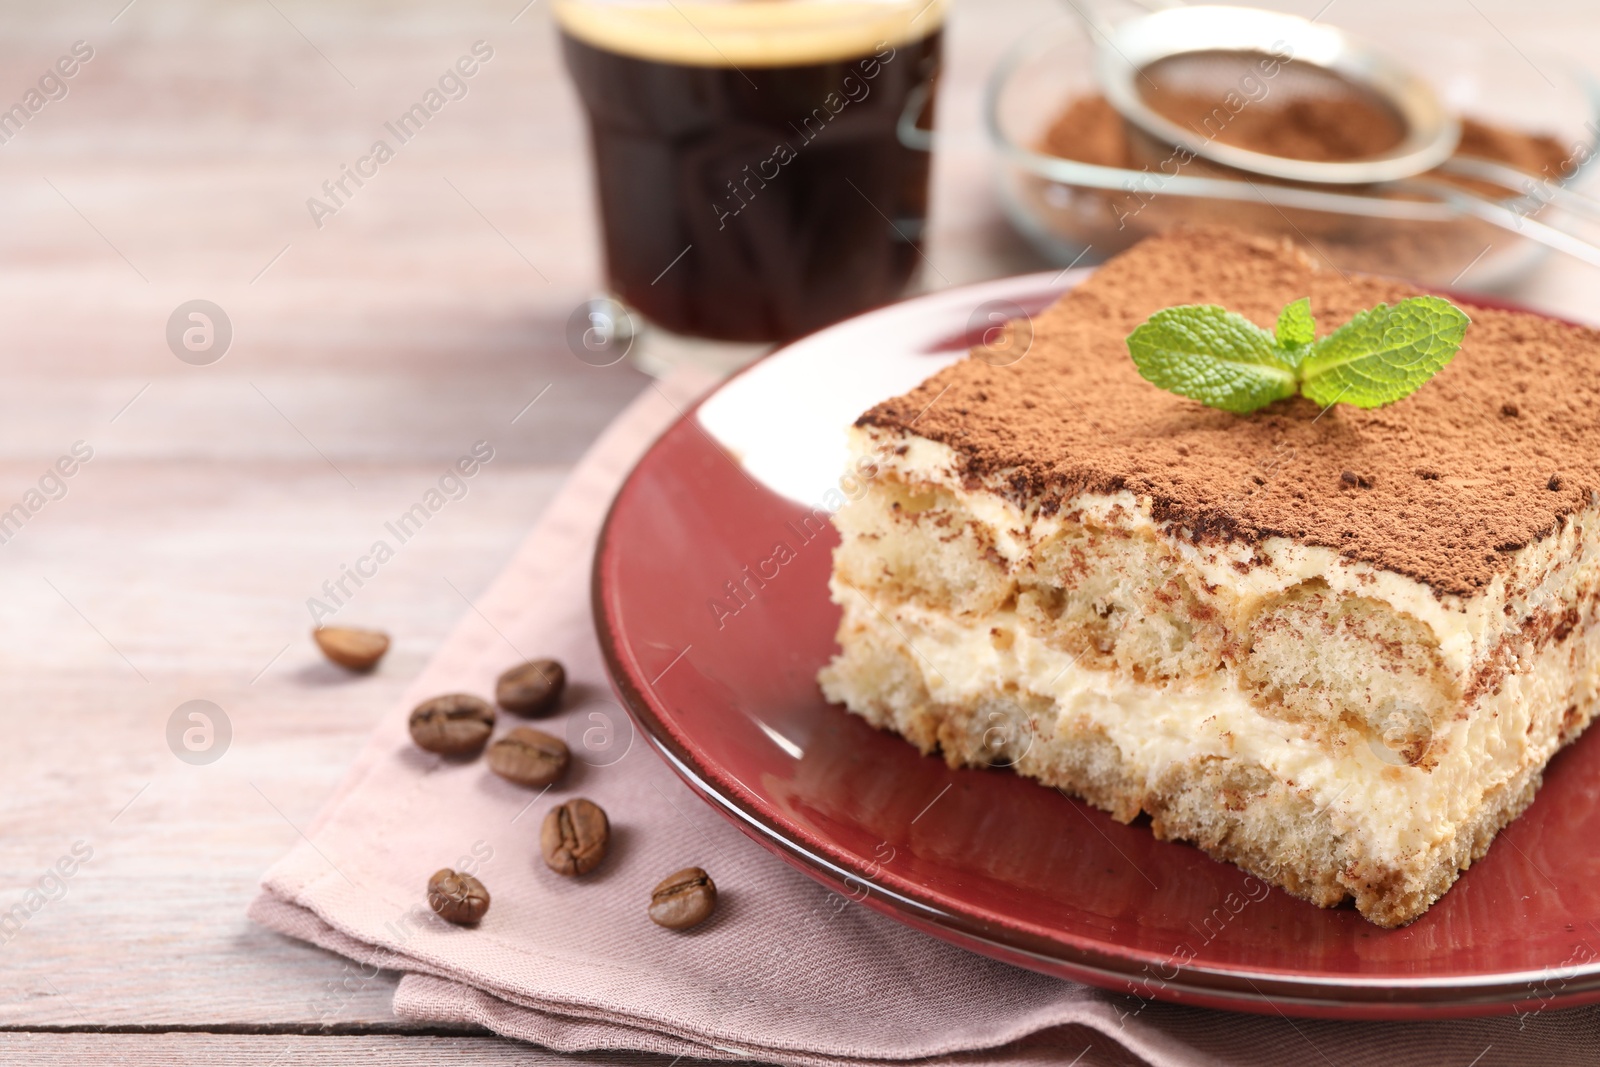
{"points": [[761, 167]]}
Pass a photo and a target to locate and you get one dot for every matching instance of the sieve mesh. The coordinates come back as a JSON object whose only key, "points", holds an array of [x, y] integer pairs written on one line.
{"points": [[1284, 108]]}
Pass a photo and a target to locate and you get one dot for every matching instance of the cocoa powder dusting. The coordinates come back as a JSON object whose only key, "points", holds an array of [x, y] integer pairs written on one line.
{"points": [[1441, 486]]}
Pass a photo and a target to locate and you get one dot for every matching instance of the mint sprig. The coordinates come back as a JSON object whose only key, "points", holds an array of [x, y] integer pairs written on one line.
{"points": [[1224, 360]]}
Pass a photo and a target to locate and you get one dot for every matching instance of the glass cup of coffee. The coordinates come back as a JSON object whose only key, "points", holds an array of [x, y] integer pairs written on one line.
{"points": [[761, 166]]}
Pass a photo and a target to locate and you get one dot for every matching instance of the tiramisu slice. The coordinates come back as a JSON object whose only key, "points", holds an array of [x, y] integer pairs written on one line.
{"points": [[1334, 646]]}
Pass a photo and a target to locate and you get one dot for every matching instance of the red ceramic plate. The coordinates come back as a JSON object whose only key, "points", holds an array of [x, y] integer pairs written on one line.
{"points": [[711, 603]]}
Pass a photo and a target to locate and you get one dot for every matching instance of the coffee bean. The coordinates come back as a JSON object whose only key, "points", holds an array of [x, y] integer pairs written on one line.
{"points": [[529, 757], [356, 650], [456, 724], [459, 898], [532, 688], [683, 900], [574, 837]]}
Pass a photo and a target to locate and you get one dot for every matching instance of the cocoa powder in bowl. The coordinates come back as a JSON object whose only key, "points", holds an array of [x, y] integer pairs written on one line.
{"points": [[1088, 129]]}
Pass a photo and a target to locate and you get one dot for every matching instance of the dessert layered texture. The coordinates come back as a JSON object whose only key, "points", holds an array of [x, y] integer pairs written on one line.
{"points": [[1335, 647]]}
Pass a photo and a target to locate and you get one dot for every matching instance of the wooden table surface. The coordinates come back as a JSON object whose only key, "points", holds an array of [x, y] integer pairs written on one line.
{"points": [[366, 356]]}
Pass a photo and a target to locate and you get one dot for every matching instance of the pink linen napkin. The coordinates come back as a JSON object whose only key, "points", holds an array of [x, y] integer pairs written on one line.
{"points": [[785, 971]]}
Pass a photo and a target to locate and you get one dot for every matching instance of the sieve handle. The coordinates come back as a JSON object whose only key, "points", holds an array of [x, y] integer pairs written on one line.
{"points": [[1552, 192], [1497, 214]]}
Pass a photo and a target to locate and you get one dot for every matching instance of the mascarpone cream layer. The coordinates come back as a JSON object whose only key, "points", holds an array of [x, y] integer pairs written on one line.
{"points": [[1394, 809]]}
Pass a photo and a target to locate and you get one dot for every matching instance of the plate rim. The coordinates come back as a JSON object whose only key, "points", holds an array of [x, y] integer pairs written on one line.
{"points": [[1233, 988]]}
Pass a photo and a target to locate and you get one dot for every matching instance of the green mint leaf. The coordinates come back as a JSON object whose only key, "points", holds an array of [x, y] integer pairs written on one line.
{"points": [[1208, 354], [1296, 327], [1384, 353]]}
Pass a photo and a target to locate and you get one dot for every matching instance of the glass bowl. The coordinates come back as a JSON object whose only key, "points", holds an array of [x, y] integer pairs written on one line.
{"points": [[1081, 212]]}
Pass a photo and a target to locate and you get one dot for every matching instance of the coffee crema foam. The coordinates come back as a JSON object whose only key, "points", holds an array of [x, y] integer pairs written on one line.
{"points": [[774, 34]]}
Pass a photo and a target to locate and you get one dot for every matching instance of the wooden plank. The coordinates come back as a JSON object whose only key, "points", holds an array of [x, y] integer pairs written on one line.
{"points": [[291, 1050], [373, 352], [204, 587]]}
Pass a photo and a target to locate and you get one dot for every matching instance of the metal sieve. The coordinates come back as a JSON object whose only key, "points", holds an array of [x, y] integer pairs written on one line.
{"points": [[1211, 47], [1208, 50]]}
